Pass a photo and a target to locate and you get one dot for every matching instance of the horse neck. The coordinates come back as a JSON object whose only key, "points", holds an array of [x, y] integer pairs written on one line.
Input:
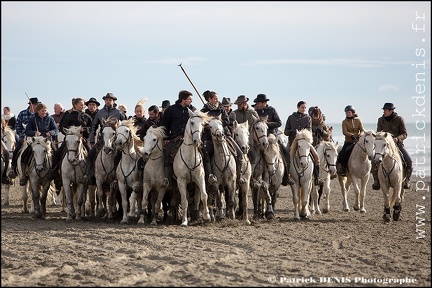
{"points": [[359, 153], [156, 152]]}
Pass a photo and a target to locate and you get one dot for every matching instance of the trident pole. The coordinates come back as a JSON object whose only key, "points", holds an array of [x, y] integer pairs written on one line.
{"points": [[199, 95], [32, 110]]}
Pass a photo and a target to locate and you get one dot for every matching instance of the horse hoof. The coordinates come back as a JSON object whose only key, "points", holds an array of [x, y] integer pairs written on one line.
{"points": [[124, 222], [386, 217], [325, 211], [153, 222], [269, 216], [362, 210]]}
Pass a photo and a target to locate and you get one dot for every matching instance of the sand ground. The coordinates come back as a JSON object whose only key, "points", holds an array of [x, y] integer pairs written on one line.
{"points": [[334, 249]]}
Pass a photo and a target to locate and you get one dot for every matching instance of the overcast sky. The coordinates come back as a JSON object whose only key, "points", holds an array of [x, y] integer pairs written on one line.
{"points": [[329, 54]]}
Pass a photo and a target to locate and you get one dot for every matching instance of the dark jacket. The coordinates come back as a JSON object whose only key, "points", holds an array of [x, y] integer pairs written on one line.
{"points": [[296, 122], [175, 119], [76, 118], [105, 113], [43, 125], [393, 124], [273, 121]]}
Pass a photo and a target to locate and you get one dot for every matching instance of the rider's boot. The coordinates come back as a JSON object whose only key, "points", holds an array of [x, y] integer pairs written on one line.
{"points": [[407, 182], [88, 177], [376, 184], [212, 179], [318, 180], [12, 173], [166, 182]]}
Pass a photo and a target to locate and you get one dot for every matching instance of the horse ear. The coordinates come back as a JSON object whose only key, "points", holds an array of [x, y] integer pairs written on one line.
{"points": [[235, 123], [385, 135], [191, 113], [33, 139]]}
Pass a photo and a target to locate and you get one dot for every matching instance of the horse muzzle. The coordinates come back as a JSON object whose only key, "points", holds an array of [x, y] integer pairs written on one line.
{"points": [[108, 150]]}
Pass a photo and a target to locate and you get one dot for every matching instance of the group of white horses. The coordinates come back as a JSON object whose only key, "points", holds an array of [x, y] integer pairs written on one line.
{"points": [[196, 198]]}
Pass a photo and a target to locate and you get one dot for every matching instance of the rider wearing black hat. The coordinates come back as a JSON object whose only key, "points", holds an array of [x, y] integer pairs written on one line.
{"points": [[392, 123]]}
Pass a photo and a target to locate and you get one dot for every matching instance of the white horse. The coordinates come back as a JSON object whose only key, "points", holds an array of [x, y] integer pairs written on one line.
{"points": [[328, 153], [154, 172], [301, 170], [73, 168], [359, 166], [38, 175], [188, 165], [241, 136], [258, 142], [274, 174], [105, 172], [224, 168], [127, 171], [390, 174], [9, 140]]}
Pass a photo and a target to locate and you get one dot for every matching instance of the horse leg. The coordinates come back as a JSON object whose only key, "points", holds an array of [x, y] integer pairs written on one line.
{"points": [[295, 197], [326, 193], [45, 191], [132, 200], [269, 213], [397, 208], [160, 196], [219, 205], [203, 196], [184, 201], [231, 200], [6, 190], [123, 192], [244, 189], [70, 213], [144, 202], [364, 182], [101, 201], [81, 197], [24, 198], [36, 200], [344, 190]]}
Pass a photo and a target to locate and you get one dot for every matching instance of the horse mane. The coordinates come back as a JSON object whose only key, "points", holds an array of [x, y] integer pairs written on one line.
{"points": [[159, 131], [44, 142], [74, 130], [111, 122], [302, 134], [129, 123], [391, 144], [9, 133], [203, 115], [260, 119]]}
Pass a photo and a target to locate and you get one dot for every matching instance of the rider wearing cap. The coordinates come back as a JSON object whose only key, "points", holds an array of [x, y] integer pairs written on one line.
{"points": [[392, 123]]}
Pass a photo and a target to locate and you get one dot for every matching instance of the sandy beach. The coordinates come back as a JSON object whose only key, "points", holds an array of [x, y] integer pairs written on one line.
{"points": [[334, 249]]}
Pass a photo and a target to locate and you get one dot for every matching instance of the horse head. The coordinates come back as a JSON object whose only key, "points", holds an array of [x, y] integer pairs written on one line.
{"points": [[216, 129], [368, 141], [109, 128], [330, 154], [301, 147], [258, 132], [153, 139], [73, 140], [41, 148], [272, 155], [241, 135], [195, 126]]}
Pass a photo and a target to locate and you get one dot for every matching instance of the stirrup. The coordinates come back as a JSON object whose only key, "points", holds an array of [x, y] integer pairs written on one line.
{"points": [[212, 179], [12, 174], [376, 186], [23, 181], [319, 181], [165, 183], [407, 184]]}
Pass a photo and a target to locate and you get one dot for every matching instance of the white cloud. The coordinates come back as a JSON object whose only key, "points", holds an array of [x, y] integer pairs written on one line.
{"points": [[387, 88]]}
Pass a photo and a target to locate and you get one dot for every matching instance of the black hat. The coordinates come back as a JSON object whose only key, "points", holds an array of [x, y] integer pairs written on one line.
{"points": [[34, 101], [165, 104], [241, 99], [389, 106], [226, 101], [92, 100], [261, 98], [109, 95]]}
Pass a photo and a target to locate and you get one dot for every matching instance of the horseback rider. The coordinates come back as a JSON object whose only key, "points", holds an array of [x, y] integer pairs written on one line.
{"points": [[297, 121], [108, 111], [214, 108], [74, 117], [41, 124], [174, 120], [392, 123], [352, 128], [245, 113], [20, 126]]}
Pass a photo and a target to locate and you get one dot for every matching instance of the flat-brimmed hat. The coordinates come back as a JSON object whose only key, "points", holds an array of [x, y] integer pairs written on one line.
{"points": [[34, 101], [165, 104], [109, 95], [226, 101], [241, 99], [261, 98], [92, 100], [389, 106]]}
